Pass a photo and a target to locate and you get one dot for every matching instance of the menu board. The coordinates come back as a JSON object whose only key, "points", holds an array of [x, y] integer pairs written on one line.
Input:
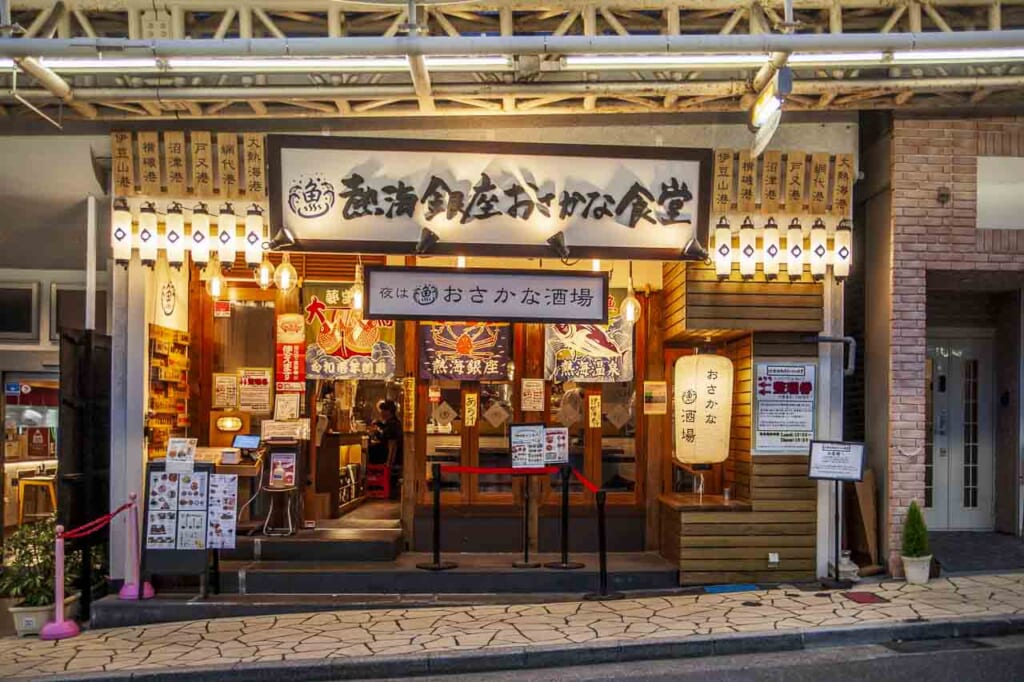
{"points": [[527, 445], [836, 461], [254, 384], [185, 515], [225, 391], [181, 455]]}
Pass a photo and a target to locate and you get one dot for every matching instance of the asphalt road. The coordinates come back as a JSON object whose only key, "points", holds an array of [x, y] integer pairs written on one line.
{"points": [[985, 659]]}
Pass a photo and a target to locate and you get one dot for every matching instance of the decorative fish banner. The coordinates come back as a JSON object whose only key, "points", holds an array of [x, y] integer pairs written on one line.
{"points": [[465, 351], [340, 343], [591, 353]]}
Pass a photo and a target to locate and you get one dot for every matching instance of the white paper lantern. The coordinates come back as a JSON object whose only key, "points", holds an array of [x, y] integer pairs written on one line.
{"points": [[199, 244], [819, 249], [121, 231], [174, 235], [842, 250], [748, 249], [149, 238], [795, 249], [771, 249], [723, 249], [227, 231], [702, 408], [253, 236]]}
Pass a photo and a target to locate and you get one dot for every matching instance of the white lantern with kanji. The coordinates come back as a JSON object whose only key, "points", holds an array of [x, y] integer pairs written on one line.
{"points": [[702, 408]]}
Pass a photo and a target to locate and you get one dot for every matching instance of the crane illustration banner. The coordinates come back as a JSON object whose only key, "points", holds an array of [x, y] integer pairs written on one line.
{"points": [[500, 199]]}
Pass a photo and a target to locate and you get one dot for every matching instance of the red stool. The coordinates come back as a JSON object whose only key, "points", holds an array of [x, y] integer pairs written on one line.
{"points": [[378, 481]]}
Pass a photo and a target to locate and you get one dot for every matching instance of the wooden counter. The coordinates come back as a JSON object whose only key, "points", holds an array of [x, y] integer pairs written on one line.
{"points": [[694, 502]]}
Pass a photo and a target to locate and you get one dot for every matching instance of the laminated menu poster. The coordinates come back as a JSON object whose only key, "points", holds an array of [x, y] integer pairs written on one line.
{"points": [[223, 511], [181, 455], [527, 441], [163, 491], [191, 530], [162, 529]]}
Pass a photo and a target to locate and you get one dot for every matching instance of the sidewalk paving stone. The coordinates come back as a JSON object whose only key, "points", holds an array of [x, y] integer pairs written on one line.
{"points": [[446, 638]]}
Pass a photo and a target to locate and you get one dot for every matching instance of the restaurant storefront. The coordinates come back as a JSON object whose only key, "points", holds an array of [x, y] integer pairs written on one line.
{"points": [[382, 316]]}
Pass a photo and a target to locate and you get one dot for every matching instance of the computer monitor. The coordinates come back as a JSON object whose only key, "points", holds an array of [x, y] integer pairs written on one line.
{"points": [[246, 441]]}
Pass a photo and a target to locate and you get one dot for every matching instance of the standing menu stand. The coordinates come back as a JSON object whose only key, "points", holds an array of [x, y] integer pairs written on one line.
{"points": [[836, 461], [173, 561]]}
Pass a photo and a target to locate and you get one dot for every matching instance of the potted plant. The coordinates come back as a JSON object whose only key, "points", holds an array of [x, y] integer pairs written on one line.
{"points": [[27, 576], [917, 559]]}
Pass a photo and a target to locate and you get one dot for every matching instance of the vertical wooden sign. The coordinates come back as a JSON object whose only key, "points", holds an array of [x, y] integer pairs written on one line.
{"points": [[794, 181], [202, 165], [745, 200], [771, 176], [819, 183], [122, 163], [227, 164], [174, 163], [722, 200], [149, 163], [842, 185], [255, 170]]}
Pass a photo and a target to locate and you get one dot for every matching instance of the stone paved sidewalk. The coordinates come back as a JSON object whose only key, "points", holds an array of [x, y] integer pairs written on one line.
{"points": [[386, 632]]}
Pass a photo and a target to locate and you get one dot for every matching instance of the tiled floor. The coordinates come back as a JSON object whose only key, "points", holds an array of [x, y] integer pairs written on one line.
{"points": [[966, 552], [409, 631]]}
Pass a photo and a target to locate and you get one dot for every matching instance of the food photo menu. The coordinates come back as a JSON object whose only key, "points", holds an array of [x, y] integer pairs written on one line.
{"points": [[191, 511]]}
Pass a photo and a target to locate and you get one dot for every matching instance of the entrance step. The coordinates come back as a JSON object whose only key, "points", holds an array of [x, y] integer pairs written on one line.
{"points": [[475, 574], [333, 544]]}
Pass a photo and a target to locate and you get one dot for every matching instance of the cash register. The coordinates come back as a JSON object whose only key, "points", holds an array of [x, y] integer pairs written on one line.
{"points": [[243, 445]]}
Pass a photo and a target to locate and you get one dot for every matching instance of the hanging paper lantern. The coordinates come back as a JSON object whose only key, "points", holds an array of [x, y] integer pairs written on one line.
{"points": [[200, 241], [748, 249], [149, 239], [819, 249], [795, 249], [121, 232], [771, 249], [227, 231], [723, 249], [702, 408], [174, 235], [253, 236], [842, 250]]}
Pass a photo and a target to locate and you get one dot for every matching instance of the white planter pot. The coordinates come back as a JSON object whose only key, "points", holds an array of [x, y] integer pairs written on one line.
{"points": [[29, 620], [917, 569]]}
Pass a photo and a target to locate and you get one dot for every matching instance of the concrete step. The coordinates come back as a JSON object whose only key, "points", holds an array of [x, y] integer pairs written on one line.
{"points": [[335, 544]]}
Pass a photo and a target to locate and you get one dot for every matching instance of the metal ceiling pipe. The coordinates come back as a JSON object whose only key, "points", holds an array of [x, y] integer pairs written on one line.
{"points": [[640, 89], [515, 45], [55, 85]]}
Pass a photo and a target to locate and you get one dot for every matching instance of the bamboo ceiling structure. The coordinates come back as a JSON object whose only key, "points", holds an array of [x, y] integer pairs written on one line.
{"points": [[532, 84]]}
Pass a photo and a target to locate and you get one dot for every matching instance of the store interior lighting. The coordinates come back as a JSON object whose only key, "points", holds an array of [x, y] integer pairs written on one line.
{"points": [[267, 64]]}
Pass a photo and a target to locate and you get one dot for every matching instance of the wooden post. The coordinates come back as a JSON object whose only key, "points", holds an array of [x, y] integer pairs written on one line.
{"points": [[653, 441]]}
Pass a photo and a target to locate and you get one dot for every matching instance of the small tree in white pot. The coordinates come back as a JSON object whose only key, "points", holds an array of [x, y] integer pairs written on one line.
{"points": [[917, 559]]}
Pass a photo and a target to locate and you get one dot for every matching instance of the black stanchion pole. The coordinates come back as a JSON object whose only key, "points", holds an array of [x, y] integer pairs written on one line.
{"points": [[526, 563], [437, 564], [565, 564], [602, 551]]}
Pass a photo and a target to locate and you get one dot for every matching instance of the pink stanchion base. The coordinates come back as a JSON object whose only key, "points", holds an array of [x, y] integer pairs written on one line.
{"points": [[131, 591], [62, 630]]}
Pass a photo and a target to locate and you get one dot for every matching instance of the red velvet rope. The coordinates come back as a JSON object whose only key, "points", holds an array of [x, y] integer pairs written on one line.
{"points": [[585, 481], [95, 524], [531, 471]]}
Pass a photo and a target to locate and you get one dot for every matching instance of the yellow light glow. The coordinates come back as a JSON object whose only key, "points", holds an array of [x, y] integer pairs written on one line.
{"points": [[770, 249], [748, 249], [285, 277], [723, 249], [795, 249]]}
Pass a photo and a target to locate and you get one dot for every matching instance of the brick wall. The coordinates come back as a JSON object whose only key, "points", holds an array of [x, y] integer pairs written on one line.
{"points": [[928, 236]]}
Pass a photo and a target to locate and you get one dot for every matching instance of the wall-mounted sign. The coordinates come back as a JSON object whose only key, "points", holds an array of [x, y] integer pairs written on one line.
{"points": [[409, 404], [594, 411], [655, 397], [531, 395], [254, 388], [360, 195], [465, 352], [702, 405], [592, 353], [485, 295], [784, 418], [471, 410], [836, 461], [225, 391], [290, 360], [222, 308], [340, 342], [527, 443]]}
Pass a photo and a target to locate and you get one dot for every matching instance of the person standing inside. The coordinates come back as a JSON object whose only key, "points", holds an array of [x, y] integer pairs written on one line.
{"points": [[386, 442]]}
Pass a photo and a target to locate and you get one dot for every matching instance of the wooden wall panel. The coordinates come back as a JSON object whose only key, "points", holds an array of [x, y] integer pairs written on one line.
{"points": [[696, 300], [737, 467]]}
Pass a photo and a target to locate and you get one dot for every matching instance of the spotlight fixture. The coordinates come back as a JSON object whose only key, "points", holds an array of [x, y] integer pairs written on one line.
{"points": [[428, 240], [282, 239], [557, 244], [694, 250]]}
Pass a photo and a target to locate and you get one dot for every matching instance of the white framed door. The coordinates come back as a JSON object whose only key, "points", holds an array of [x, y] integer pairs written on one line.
{"points": [[959, 451]]}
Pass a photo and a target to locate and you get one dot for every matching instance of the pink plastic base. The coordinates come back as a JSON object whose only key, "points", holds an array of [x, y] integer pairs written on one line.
{"points": [[63, 630], [131, 591]]}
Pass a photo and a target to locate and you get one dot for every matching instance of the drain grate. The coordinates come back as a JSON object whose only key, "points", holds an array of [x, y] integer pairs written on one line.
{"points": [[924, 646]]}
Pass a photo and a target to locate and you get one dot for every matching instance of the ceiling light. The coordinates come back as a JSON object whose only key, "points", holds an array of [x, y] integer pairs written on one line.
{"points": [[934, 56], [662, 61], [832, 58]]}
